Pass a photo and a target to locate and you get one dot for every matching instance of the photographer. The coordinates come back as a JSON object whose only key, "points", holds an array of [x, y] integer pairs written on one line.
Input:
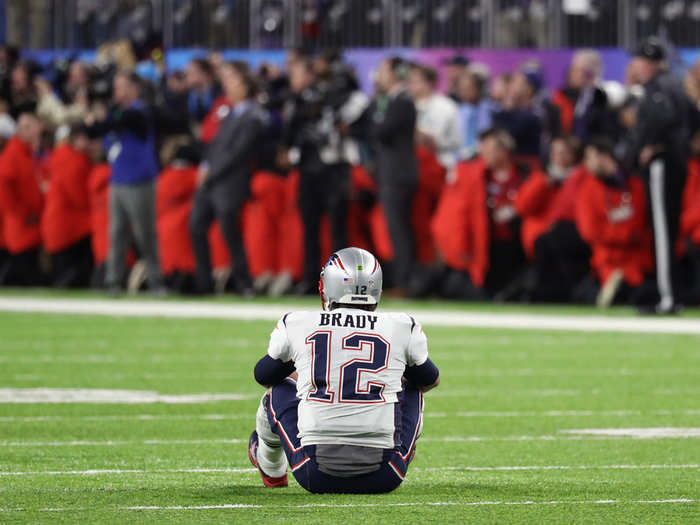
{"points": [[313, 143], [130, 141], [75, 105]]}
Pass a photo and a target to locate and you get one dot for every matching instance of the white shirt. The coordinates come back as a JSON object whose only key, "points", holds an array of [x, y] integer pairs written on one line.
{"points": [[350, 363], [438, 116]]}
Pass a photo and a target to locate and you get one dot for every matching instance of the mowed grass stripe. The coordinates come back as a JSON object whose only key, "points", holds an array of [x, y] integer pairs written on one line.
{"points": [[472, 414], [186, 356], [243, 506], [203, 470], [694, 434]]}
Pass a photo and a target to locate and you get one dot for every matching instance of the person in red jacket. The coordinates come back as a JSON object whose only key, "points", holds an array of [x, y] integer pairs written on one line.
{"points": [[475, 227], [65, 223], [546, 204], [611, 217], [175, 190], [582, 103], [690, 226], [4, 255], [22, 201]]}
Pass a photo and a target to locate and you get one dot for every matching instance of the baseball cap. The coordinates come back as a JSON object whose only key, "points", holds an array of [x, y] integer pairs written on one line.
{"points": [[651, 49]]}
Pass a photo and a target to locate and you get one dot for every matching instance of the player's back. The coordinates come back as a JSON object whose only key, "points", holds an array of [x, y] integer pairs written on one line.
{"points": [[350, 363]]}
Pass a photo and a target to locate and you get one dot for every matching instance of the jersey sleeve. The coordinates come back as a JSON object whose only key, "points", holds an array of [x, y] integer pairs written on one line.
{"points": [[279, 347], [417, 345]]}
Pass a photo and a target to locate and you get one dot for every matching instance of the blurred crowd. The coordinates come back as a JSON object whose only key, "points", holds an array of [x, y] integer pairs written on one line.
{"points": [[224, 178]]}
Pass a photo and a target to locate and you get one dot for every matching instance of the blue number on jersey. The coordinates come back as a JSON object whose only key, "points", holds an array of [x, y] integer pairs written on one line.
{"points": [[350, 371], [320, 363]]}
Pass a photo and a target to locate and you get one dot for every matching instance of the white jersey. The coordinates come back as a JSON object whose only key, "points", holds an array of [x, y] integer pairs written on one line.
{"points": [[350, 363]]}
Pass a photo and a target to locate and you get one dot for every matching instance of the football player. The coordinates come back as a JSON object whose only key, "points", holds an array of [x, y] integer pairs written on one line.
{"points": [[344, 404]]}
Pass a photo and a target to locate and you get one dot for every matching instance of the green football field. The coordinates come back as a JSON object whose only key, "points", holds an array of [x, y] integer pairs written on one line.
{"points": [[528, 426]]}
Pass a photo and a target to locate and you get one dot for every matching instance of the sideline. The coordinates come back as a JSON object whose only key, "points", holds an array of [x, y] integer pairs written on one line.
{"points": [[272, 312]]}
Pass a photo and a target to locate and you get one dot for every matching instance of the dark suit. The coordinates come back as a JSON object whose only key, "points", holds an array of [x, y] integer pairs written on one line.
{"points": [[666, 120], [323, 187], [225, 191], [397, 177]]}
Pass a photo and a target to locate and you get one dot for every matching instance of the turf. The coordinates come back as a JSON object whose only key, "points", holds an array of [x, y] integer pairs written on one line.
{"points": [[504, 399]]}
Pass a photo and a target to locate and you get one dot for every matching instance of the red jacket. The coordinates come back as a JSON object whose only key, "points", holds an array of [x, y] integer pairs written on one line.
{"points": [[462, 222], [212, 122], [21, 198], [99, 211], [690, 216], [541, 205], [66, 217], [175, 190], [613, 222], [431, 180], [566, 108]]}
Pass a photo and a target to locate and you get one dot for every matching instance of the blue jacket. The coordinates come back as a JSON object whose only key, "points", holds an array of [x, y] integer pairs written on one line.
{"points": [[131, 145]]}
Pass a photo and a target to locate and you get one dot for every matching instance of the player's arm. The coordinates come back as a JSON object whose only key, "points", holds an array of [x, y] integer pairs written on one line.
{"points": [[278, 364], [420, 370], [425, 376], [269, 372]]}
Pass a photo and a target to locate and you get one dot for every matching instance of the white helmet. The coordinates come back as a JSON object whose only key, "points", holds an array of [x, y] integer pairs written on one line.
{"points": [[352, 276]]}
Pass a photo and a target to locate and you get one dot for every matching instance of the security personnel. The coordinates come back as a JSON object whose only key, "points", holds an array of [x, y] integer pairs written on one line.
{"points": [[666, 121], [393, 130]]}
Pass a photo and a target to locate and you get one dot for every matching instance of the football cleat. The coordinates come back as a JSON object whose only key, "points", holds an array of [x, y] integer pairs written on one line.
{"points": [[268, 481]]}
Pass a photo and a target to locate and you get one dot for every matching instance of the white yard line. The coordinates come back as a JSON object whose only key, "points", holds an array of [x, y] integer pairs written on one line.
{"points": [[121, 443], [473, 414], [551, 437], [565, 435], [575, 413], [509, 468], [271, 312], [101, 472], [413, 504], [637, 433], [200, 470], [127, 417], [105, 395], [243, 506]]}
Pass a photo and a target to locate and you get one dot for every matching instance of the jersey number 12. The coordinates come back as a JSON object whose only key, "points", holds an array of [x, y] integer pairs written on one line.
{"points": [[350, 371]]}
